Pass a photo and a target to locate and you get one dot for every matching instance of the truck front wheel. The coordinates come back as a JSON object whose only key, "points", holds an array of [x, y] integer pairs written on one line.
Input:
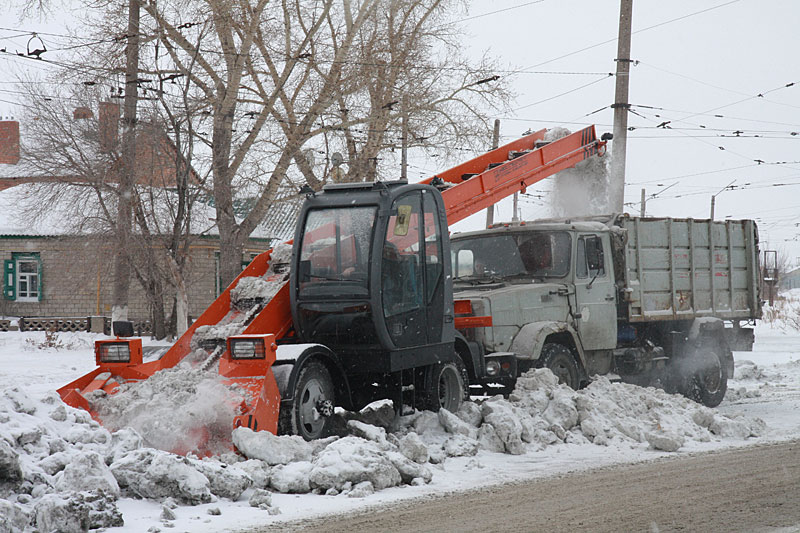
{"points": [[559, 359], [445, 386], [310, 415]]}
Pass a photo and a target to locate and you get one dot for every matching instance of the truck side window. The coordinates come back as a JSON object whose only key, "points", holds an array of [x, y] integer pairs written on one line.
{"points": [[590, 260], [434, 268], [401, 279]]}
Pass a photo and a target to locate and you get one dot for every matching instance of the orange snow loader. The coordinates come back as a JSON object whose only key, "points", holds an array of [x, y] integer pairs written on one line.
{"points": [[363, 310]]}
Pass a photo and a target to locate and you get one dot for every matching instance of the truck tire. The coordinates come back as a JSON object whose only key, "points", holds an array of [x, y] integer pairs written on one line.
{"points": [[704, 376], [445, 386], [560, 360], [310, 413]]}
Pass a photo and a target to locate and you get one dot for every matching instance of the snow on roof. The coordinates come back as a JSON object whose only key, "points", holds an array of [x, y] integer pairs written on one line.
{"points": [[25, 210]]}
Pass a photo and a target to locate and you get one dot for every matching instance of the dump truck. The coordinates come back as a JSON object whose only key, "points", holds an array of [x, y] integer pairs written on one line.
{"points": [[648, 300]]}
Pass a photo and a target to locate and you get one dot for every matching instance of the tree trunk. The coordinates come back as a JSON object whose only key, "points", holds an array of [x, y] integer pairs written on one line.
{"points": [[181, 309]]}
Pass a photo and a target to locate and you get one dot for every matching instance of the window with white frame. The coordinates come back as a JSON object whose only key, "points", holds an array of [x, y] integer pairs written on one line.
{"points": [[27, 280], [22, 277]]}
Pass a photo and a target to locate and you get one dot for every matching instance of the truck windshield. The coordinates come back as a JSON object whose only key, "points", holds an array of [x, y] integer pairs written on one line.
{"points": [[334, 255], [530, 254]]}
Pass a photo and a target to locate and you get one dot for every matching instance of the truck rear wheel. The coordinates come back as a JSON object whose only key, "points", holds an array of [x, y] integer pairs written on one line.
{"points": [[445, 386], [310, 415], [704, 376], [559, 359]]}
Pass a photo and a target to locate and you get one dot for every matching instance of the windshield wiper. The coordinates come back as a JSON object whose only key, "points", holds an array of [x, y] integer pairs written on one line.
{"points": [[326, 278], [479, 280]]}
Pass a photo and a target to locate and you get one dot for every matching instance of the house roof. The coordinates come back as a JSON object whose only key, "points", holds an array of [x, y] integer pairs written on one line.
{"points": [[42, 202], [23, 212]]}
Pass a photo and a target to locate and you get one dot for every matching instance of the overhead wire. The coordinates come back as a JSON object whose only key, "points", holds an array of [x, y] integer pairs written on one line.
{"points": [[635, 32]]}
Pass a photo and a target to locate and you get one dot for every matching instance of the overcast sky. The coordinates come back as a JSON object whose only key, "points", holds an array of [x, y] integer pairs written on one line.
{"points": [[696, 59]]}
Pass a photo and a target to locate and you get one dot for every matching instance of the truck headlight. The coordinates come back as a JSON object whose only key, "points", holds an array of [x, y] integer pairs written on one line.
{"points": [[247, 349], [492, 368], [116, 352]]}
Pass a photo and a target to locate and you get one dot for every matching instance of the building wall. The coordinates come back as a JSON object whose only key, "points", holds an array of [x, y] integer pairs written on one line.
{"points": [[77, 277]]}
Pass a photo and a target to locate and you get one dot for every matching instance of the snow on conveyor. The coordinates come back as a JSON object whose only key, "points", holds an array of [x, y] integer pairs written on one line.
{"points": [[252, 292]]}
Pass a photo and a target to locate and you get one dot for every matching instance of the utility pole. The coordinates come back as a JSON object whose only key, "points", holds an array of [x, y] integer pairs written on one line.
{"points": [[404, 142], [495, 144], [714, 197], [621, 107], [644, 204], [127, 177]]}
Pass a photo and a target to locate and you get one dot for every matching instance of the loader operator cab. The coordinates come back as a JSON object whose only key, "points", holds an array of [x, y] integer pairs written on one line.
{"points": [[371, 275]]}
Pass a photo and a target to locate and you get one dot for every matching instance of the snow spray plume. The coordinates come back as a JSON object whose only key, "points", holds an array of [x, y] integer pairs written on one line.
{"points": [[583, 189]]}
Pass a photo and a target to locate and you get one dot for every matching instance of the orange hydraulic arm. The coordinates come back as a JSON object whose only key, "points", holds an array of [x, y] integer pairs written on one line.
{"points": [[487, 179]]}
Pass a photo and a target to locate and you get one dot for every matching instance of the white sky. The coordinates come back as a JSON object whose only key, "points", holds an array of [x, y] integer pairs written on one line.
{"points": [[708, 63], [714, 59]]}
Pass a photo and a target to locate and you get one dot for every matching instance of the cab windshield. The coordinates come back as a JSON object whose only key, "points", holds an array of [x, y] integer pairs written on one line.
{"points": [[334, 255], [523, 255]]}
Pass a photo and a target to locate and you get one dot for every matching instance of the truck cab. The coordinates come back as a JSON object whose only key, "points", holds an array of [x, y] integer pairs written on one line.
{"points": [[543, 283]]}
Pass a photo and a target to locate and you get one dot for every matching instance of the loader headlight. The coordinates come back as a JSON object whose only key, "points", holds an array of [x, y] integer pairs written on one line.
{"points": [[116, 352], [247, 349], [492, 368]]}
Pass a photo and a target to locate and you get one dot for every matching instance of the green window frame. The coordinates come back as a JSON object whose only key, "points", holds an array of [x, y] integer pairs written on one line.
{"points": [[22, 277]]}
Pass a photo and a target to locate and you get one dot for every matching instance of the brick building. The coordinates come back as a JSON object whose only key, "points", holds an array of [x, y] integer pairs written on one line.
{"points": [[50, 270]]}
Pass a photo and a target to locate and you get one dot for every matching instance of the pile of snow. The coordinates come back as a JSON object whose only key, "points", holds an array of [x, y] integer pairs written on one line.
{"points": [[784, 313], [248, 298], [754, 381], [541, 413], [177, 409], [61, 471]]}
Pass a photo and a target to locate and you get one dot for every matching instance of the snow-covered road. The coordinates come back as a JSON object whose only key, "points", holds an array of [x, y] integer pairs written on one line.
{"points": [[611, 424]]}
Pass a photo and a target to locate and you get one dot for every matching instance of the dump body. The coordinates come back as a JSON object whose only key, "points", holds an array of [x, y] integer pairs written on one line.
{"points": [[681, 269]]}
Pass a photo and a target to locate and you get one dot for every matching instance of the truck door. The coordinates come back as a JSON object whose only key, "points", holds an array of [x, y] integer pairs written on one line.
{"points": [[595, 294], [402, 278]]}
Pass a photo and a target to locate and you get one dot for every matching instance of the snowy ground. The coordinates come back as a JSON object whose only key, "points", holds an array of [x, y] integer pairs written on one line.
{"points": [[545, 430]]}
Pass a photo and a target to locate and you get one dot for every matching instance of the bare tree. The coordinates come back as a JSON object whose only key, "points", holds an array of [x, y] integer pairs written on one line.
{"points": [[282, 82], [79, 150]]}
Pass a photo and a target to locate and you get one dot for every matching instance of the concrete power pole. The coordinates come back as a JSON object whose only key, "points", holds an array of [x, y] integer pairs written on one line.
{"points": [[404, 142], [127, 178], [495, 144], [644, 203], [621, 106]]}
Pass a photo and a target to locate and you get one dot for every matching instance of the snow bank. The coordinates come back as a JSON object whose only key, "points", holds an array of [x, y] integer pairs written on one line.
{"points": [[61, 471], [541, 413]]}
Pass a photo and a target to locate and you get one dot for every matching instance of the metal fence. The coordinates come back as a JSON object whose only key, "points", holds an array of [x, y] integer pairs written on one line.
{"points": [[96, 324]]}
